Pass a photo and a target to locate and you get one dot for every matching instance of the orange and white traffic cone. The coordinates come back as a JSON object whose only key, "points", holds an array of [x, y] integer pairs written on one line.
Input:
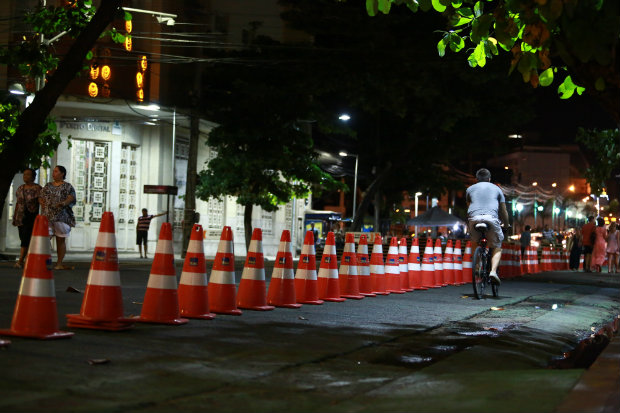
{"points": [[102, 306], [438, 263], [252, 287], [413, 266], [161, 300], [306, 285], [403, 266], [428, 268], [467, 264], [363, 265], [222, 287], [458, 264], [448, 264], [377, 268], [193, 287], [281, 291], [347, 274], [392, 268], [35, 314], [328, 281]]}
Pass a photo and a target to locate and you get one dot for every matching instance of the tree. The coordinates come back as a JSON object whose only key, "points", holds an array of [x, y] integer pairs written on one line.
{"points": [[411, 110], [26, 136], [606, 152], [264, 157], [545, 38]]}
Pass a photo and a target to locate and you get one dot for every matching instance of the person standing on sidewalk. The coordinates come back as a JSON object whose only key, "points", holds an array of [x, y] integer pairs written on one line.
{"points": [[574, 246], [526, 240], [613, 248], [142, 230], [600, 245], [26, 210], [587, 240]]}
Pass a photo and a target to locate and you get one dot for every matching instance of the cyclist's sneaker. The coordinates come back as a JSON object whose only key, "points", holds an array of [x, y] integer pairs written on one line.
{"points": [[495, 278]]}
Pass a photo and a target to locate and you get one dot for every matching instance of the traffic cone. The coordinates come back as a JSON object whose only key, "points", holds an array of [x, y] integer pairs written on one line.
{"points": [[281, 291], [251, 294], [306, 288], [438, 264], [347, 274], [448, 264], [363, 266], [458, 264], [328, 281], [161, 300], [504, 262], [102, 306], [403, 266], [428, 268], [222, 288], [377, 268], [467, 264], [193, 287], [392, 268], [413, 266], [35, 314]]}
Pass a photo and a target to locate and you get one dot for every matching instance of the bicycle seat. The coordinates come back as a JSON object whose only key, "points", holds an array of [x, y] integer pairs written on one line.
{"points": [[481, 226]]}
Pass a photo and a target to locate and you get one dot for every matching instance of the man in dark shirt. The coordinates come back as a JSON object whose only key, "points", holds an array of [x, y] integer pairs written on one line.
{"points": [[586, 232], [142, 229]]}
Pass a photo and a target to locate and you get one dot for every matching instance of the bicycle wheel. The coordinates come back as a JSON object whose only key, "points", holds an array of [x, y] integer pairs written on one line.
{"points": [[478, 273]]}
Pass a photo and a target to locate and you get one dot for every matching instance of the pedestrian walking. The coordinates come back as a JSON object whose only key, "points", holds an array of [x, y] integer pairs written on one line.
{"points": [[574, 245], [57, 198], [613, 248], [26, 210], [525, 239]]}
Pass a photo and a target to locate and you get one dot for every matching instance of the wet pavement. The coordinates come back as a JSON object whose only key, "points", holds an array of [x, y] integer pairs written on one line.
{"points": [[433, 351]]}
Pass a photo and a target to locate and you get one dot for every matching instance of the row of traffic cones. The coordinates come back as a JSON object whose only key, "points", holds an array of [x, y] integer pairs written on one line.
{"points": [[102, 308]]}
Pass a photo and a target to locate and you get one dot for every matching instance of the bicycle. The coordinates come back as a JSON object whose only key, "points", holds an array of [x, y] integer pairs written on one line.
{"points": [[481, 265]]}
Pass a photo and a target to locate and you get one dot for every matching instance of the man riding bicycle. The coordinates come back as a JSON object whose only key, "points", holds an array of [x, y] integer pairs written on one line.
{"points": [[486, 204]]}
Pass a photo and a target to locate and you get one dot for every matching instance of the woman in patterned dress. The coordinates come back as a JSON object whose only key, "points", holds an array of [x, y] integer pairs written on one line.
{"points": [[57, 198], [598, 252], [26, 210]]}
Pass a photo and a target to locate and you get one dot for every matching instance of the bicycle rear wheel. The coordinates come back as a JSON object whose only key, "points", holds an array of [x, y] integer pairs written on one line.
{"points": [[478, 273]]}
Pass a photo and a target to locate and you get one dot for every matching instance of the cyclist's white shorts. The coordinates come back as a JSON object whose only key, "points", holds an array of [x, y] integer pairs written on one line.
{"points": [[495, 236]]}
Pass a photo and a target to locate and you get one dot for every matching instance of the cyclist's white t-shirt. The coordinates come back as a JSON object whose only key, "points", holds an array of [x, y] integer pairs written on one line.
{"points": [[484, 199]]}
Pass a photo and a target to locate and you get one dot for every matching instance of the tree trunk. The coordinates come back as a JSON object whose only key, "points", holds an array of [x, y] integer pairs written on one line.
{"points": [[189, 214], [368, 195], [31, 121], [247, 225]]}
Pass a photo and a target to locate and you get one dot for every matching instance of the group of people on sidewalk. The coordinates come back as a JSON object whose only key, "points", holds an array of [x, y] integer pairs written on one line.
{"points": [[598, 244]]}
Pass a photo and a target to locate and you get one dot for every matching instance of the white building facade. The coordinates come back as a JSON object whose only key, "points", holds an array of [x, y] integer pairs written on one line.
{"points": [[112, 150]]}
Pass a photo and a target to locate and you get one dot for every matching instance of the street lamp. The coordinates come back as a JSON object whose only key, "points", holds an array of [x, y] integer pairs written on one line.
{"points": [[417, 194], [343, 154]]}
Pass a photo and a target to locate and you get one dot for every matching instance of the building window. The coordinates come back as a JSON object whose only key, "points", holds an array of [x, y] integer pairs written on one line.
{"points": [[215, 207], [127, 208], [267, 222], [90, 174]]}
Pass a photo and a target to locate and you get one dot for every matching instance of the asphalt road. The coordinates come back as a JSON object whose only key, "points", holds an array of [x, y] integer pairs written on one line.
{"points": [[433, 351]]}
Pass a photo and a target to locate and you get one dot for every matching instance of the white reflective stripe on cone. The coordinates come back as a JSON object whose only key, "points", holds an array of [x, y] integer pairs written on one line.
{"points": [[377, 269], [225, 247], [164, 246], [328, 273], [392, 269], [303, 274], [428, 267], [37, 287], [195, 247], [106, 240], [222, 277], [40, 245], [163, 282], [467, 264], [308, 250], [250, 273], [256, 246], [193, 278], [329, 249], [347, 269], [283, 273], [104, 278]]}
